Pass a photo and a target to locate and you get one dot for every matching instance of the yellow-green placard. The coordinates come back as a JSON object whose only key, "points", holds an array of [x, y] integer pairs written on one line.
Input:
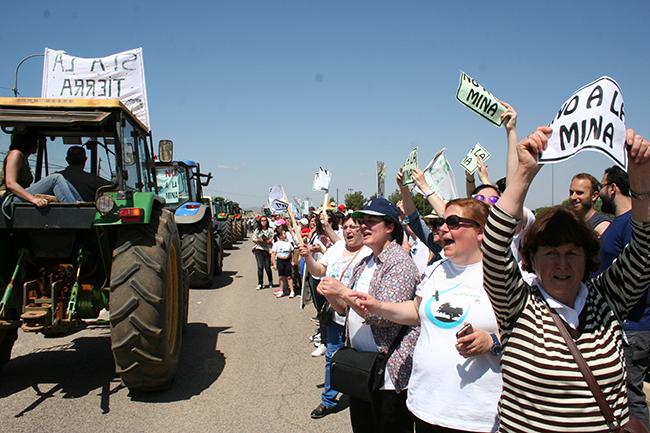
{"points": [[409, 165], [477, 98], [469, 163]]}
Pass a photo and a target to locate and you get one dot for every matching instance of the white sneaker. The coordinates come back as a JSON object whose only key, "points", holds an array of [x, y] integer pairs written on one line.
{"points": [[320, 350], [259, 287]]}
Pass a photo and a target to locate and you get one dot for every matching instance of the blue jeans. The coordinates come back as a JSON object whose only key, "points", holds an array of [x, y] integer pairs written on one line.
{"points": [[57, 185], [335, 333]]}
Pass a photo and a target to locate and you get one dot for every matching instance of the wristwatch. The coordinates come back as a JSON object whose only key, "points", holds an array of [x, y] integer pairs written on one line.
{"points": [[406, 221], [496, 348]]}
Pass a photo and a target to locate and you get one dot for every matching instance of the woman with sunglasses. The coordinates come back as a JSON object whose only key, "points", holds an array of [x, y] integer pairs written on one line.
{"points": [[388, 274], [456, 378]]}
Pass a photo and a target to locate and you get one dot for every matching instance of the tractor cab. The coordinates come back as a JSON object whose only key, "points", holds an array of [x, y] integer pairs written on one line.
{"points": [[60, 265], [181, 184]]}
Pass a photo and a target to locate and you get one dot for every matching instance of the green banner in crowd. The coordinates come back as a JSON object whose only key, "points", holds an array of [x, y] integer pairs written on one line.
{"points": [[409, 165], [478, 99]]}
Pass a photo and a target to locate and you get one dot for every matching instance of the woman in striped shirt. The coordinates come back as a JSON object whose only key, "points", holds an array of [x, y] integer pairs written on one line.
{"points": [[543, 389]]}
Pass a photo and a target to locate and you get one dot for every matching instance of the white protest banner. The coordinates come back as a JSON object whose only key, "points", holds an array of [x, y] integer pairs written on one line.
{"points": [[469, 163], [322, 179], [381, 176], [277, 199], [305, 207], [477, 98], [440, 177], [118, 76], [593, 119], [407, 169]]}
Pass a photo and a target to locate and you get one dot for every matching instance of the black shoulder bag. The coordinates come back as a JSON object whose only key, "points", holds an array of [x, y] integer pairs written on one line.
{"points": [[358, 374]]}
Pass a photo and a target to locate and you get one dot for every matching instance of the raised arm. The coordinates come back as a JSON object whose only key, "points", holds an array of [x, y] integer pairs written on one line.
{"points": [[433, 198], [501, 275], [510, 119]]}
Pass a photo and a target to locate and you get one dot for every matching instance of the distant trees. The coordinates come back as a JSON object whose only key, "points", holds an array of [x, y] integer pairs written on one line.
{"points": [[422, 205], [355, 200]]}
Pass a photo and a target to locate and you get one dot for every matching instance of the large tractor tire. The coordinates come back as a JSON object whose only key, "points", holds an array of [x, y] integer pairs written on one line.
{"points": [[218, 263], [226, 231], [197, 243], [240, 230], [7, 339], [146, 304]]}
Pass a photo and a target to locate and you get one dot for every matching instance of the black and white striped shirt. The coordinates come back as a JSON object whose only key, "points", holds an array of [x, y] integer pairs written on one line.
{"points": [[543, 389]]}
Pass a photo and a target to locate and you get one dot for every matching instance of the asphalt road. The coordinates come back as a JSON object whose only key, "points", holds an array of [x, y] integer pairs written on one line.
{"points": [[245, 367]]}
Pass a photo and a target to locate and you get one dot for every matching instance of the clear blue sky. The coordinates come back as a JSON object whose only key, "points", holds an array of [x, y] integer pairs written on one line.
{"points": [[263, 92]]}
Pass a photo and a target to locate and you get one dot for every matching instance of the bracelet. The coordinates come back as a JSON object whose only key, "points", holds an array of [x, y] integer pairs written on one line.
{"points": [[639, 195], [429, 194]]}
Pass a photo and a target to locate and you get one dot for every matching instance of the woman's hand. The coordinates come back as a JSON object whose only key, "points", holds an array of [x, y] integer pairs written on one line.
{"points": [[38, 201], [304, 250], [483, 172], [528, 151], [475, 344], [331, 287], [509, 117], [366, 302], [420, 181], [399, 178]]}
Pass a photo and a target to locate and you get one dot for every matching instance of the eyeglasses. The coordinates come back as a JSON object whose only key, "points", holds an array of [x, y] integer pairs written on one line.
{"points": [[480, 197], [454, 222]]}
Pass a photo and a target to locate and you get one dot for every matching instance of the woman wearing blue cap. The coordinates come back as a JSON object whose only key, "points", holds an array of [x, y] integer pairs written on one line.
{"points": [[388, 274]]}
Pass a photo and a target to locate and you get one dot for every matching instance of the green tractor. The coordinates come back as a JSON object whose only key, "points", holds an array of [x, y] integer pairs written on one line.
{"points": [[62, 264], [238, 222], [180, 183], [222, 220]]}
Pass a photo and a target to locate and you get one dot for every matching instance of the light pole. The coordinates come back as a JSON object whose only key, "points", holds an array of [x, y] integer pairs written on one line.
{"points": [[15, 89]]}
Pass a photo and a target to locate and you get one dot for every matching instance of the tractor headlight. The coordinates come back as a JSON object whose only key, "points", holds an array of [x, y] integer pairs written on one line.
{"points": [[104, 204]]}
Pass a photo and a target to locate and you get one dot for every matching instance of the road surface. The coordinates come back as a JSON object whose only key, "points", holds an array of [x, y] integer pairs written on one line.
{"points": [[245, 367]]}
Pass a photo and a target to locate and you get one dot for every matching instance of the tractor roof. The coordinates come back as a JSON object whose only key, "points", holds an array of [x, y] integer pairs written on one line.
{"points": [[61, 110]]}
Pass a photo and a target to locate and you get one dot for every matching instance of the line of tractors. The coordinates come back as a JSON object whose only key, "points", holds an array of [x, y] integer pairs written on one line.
{"points": [[133, 253]]}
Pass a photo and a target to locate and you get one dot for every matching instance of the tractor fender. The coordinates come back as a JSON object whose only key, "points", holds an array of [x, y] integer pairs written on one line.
{"points": [[183, 215]]}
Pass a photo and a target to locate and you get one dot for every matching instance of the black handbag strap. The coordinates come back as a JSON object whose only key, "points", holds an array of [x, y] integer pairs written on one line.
{"points": [[605, 409]]}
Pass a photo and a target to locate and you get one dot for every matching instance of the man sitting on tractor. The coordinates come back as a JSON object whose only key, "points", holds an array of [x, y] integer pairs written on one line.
{"points": [[85, 183]]}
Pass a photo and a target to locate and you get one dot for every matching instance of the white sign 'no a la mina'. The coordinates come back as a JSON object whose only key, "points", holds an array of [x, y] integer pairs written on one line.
{"points": [[593, 119], [118, 76]]}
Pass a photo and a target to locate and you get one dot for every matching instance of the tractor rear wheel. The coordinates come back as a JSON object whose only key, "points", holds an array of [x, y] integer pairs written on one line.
{"points": [[226, 230], [197, 243], [146, 304]]}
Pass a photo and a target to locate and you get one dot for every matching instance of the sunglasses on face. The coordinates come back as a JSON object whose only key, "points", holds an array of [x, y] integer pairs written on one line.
{"points": [[454, 222], [480, 197]]}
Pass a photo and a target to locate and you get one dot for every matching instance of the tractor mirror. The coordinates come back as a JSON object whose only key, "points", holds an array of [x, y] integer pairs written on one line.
{"points": [[207, 180], [165, 150]]}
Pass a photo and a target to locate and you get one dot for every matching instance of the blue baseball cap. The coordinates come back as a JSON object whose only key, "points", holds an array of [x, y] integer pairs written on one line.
{"points": [[379, 207]]}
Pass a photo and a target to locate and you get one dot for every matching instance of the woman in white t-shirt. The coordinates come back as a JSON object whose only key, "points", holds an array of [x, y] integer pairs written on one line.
{"points": [[282, 260], [456, 379], [337, 262]]}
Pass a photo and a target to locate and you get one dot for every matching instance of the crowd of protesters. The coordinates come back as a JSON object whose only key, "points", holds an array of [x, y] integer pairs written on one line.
{"points": [[492, 318]]}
